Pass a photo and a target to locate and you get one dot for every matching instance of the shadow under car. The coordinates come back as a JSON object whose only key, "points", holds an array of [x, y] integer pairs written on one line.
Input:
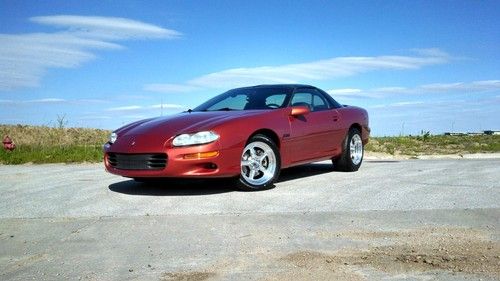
{"points": [[191, 187]]}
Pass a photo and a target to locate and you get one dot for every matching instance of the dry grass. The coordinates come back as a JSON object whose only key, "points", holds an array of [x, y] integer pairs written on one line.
{"points": [[430, 145], [42, 144], [49, 136]]}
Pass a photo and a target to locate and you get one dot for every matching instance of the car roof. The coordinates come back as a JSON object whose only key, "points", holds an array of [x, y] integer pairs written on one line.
{"points": [[285, 86]]}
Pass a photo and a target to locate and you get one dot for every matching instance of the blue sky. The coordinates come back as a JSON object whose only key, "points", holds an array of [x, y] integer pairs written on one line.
{"points": [[414, 65]]}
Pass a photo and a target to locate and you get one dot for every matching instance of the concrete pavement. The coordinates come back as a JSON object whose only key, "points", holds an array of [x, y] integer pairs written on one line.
{"points": [[78, 222]]}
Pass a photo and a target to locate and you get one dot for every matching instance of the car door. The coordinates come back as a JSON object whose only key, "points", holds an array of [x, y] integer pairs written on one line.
{"points": [[312, 135]]}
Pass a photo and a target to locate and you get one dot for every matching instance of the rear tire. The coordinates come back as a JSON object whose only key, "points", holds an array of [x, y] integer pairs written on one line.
{"points": [[352, 152], [260, 164]]}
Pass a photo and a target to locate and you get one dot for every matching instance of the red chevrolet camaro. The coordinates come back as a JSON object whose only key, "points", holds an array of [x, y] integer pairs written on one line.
{"points": [[247, 133]]}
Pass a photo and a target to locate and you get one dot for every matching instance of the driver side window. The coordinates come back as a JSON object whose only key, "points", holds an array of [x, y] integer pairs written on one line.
{"points": [[311, 99], [302, 99], [275, 101]]}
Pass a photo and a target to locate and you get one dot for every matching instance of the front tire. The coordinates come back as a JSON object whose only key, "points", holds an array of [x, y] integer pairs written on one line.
{"points": [[352, 152], [260, 164]]}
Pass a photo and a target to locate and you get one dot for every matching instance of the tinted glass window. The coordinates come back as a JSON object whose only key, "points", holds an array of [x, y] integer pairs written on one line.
{"points": [[310, 98], [276, 101], [248, 99], [304, 99], [236, 102], [319, 103]]}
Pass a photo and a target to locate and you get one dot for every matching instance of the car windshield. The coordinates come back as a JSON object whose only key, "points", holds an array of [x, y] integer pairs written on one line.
{"points": [[248, 99]]}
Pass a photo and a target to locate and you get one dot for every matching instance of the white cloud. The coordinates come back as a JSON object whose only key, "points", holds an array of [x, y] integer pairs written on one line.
{"points": [[125, 108], [405, 103], [37, 101], [393, 90], [458, 87], [350, 93], [52, 101], [344, 92], [107, 27], [46, 100], [372, 93], [309, 71], [476, 86], [397, 104], [436, 52], [88, 101], [25, 58], [439, 116]]}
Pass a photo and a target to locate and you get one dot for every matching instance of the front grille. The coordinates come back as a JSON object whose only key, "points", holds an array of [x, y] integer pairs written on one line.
{"points": [[156, 161]]}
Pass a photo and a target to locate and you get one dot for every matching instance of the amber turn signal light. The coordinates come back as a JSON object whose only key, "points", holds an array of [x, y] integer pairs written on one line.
{"points": [[201, 155]]}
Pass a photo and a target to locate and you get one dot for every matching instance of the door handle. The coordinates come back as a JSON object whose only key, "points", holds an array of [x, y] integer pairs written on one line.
{"points": [[335, 118]]}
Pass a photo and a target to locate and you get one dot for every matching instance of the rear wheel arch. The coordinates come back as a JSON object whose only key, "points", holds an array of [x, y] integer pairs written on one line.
{"points": [[356, 126], [352, 151]]}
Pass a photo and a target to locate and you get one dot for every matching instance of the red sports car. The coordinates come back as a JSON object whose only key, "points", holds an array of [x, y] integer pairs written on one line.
{"points": [[247, 133]]}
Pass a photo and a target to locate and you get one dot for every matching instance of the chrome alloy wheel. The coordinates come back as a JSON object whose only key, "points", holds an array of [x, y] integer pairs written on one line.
{"points": [[258, 163], [356, 148]]}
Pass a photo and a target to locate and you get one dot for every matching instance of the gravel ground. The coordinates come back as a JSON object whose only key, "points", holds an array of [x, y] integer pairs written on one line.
{"points": [[392, 220]]}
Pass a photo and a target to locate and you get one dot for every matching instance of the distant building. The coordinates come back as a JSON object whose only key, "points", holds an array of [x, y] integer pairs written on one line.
{"points": [[487, 132], [491, 132], [454, 134]]}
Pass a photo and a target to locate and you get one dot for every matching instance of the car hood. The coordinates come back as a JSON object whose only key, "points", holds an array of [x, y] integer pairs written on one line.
{"points": [[185, 122]]}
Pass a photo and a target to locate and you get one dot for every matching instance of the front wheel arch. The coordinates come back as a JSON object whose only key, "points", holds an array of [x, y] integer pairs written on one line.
{"points": [[267, 133], [258, 179]]}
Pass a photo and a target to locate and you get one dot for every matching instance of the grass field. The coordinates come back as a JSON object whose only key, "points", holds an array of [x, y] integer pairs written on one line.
{"points": [[41, 144], [434, 145]]}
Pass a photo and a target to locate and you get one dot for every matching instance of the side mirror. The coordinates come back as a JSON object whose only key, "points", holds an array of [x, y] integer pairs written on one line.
{"points": [[299, 110]]}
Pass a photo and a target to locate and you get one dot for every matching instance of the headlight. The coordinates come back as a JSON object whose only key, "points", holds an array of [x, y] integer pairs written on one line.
{"points": [[113, 137], [197, 138]]}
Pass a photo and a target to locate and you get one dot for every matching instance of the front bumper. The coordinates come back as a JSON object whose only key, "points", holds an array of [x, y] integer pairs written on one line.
{"points": [[225, 164]]}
